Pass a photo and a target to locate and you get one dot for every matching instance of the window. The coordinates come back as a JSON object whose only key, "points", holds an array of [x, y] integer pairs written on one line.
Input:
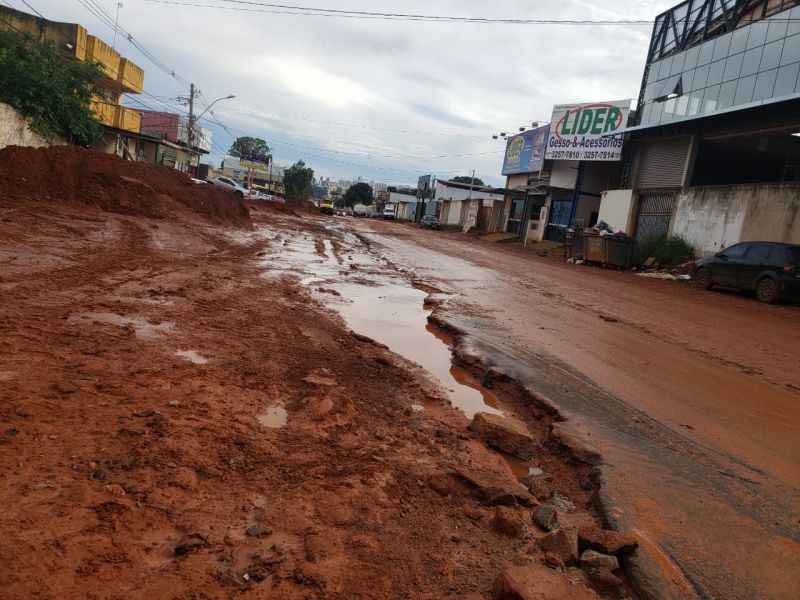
{"points": [[759, 254], [787, 78], [721, 46], [739, 40], [726, 95], [692, 54], [794, 23], [772, 55], [751, 61], [700, 77], [677, 63], [715, 72], [710, 99], [777, 28], [744, 91], [732, 67], [764, 85], [758, 34], [736, 251], [791, 50], [706, 53]]}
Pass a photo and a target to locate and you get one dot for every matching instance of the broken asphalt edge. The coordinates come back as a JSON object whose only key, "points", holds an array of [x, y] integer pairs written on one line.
{"points": [[653, 573]]}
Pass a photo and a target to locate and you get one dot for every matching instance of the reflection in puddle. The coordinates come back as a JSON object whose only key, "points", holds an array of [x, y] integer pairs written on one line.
{"points": [[393, 314], [192, 356], [274, 417], [143, 328]]}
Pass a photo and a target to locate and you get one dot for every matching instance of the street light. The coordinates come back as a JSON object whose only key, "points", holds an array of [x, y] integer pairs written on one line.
{"points": [[230, 97], [193, 119]]}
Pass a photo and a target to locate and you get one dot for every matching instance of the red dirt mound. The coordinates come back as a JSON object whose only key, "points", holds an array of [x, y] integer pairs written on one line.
{"points": [[77, 175]]}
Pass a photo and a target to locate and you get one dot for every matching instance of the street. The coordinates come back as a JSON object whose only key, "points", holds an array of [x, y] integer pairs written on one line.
{"points": [[690, 396]]}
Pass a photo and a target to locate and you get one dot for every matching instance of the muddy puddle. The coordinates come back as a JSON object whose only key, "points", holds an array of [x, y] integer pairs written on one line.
{"points": [[273, 417], [192, 356], [142, 327], [376, 303]]}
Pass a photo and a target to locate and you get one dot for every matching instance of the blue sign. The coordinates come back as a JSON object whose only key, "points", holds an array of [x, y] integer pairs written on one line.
{"points": [[525, 152]]}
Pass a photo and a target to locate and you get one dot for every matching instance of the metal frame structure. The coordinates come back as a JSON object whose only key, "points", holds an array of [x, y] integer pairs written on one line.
{"points": [[696, 21]]}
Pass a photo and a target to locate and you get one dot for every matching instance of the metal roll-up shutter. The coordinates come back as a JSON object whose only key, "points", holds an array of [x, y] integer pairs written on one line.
{"points": [[662, 163]]}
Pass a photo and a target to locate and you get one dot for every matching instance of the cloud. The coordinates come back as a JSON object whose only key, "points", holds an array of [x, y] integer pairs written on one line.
{"points": [[386, 100]]}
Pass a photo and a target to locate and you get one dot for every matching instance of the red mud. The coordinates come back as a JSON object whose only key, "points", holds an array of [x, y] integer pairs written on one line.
{"points": [[131, 472], [80, 176]]}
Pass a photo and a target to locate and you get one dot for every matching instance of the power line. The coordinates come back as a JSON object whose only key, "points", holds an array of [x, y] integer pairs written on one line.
{"points": [[273, 8], [26, 3]]}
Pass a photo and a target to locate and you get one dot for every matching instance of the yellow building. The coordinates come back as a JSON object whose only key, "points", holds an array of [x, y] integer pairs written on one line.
{"points": [[122, 76]]}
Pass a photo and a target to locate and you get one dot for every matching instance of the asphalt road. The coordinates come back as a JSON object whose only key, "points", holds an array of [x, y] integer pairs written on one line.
{"points": [[692, 398]]}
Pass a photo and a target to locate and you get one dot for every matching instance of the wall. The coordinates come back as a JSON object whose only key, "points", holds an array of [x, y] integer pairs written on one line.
{"points": [[714, 217], [14, 130], [616, 209], [514, 182], [564, 174]]}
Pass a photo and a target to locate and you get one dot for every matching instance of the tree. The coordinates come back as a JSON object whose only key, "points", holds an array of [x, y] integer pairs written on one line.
{"points": [[467, 179], [297, 181], [358, 193], [250, 148], [53, 93]]}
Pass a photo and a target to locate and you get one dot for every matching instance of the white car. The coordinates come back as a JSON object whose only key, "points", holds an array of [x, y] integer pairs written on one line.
{"points": [[228, 183]]}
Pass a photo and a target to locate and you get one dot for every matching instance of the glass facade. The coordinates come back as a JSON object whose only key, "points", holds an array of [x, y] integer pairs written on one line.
{"points": [[759, 62]]}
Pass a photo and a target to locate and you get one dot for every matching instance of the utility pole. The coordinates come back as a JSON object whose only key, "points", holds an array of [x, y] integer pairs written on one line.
{"points": [[191, 116]]}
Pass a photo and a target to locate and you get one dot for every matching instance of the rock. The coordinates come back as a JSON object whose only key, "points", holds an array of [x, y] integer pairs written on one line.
{"points": [[505, 434], [537, 582], [649, 262], [64, 387], [191, 544], [546, 517], [115, 489], [604, 580], [539, 487], [577, 447], [258, 531], [493, 489], [563, 543], [606, 541], [509, 521], [554, 561], [591, 559], [320, 380], [173, 403], [562, 503]]}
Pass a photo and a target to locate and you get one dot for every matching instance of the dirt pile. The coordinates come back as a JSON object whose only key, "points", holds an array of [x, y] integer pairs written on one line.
{"points": [[80, 176]]}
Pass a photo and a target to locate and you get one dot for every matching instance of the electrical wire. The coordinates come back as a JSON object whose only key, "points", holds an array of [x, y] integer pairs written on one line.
{"points": [[26, 3], [274, 8]]}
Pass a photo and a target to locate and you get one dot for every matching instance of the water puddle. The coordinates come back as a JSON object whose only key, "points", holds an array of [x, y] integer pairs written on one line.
{"points": [[142, 327], [387, 309], [274, 417], [192, 356]]}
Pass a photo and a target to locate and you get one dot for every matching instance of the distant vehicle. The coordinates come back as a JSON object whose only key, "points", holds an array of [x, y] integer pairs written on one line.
{"points": [[344, 211], [326, 207], [230, 184], [430, 222], [361, 210], [198, 181], [389, 211], [770, 269]]}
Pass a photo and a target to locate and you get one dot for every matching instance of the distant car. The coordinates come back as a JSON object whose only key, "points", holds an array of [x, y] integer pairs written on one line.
{"points": [[230, 184], [389, 211], [326, 208], [770, 269], [430, 222], [198, 181]]}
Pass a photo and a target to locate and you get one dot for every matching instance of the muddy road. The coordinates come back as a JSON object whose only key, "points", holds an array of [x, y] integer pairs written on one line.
{"points": [[194, 411], [691, 397]]}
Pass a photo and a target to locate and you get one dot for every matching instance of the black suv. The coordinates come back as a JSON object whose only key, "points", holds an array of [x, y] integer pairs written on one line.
{"points": [[769, 268]]}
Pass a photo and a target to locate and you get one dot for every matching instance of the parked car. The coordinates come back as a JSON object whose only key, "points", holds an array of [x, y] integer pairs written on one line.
{"points": [[429, 222], [198, 181], [770, 269], [230, 184], [326, 207], [389, 211]]}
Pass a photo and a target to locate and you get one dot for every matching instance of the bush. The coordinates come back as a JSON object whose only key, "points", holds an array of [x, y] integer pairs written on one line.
{"points": [[667, 251], [51, 91]]}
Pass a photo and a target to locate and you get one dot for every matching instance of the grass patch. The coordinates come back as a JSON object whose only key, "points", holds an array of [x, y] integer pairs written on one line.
{"points": [[667, 251]]}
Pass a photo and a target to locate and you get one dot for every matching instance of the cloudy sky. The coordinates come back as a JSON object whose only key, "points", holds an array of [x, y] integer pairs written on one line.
{"points": [[386, 100]]}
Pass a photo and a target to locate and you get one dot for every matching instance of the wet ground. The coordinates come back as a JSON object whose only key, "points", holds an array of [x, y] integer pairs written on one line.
{"points": [[193, 411], [692, 398]]}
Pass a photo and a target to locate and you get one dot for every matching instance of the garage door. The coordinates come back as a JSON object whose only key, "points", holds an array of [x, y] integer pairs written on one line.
{"points": [[662, 163]]}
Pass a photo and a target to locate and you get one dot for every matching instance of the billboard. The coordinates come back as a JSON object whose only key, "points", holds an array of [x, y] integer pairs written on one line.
{"points": [[525, 152], [587, 131]]}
